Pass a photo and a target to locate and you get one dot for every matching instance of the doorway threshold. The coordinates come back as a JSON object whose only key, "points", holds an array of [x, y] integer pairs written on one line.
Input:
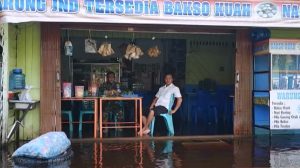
{"points": [[159, 138]]}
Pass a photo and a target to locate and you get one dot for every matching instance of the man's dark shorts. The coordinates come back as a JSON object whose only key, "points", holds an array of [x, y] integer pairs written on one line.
{"points": [[160, 110]]}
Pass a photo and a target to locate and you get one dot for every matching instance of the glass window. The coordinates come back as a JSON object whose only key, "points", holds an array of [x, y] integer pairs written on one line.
{"points": [[261, 81], [262, 63], [285, 72], [261, 94]]}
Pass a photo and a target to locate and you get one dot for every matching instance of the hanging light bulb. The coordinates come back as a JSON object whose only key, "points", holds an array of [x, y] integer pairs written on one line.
{"points": [[68, 46]]}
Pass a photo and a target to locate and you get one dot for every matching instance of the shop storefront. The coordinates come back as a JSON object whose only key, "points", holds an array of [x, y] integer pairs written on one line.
{"points": [[276, 107], [207, 45], [179, 53]]}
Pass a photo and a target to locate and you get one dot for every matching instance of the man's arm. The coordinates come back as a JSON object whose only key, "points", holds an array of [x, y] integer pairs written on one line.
{"points": [[178, 104], [155, 99], [153, 103]]}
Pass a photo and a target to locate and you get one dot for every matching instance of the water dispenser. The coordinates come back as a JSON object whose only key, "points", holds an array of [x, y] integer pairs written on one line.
{"points": [[16, 79]]}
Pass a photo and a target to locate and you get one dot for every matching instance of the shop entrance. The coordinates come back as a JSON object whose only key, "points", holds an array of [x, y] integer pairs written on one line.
{"points": [[203, 64]]}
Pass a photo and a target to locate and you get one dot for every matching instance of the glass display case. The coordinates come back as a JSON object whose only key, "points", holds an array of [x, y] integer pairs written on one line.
{"points": [[285, 72]]}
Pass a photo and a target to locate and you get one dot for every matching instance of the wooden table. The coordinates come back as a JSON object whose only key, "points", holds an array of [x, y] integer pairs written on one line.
{"points": [[136, 124], [95, 99]]}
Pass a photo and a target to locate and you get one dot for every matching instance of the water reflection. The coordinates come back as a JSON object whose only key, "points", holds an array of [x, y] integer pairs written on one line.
{"points": [[163, 156], [137, 154], [281, 151]]}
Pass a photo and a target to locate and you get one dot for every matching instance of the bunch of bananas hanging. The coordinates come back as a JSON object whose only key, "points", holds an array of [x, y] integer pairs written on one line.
{"points": [[105, 49], [153, 51], [133, 52]]}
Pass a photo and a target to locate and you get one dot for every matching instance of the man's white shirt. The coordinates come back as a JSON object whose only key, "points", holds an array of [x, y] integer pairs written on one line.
{"points": [[164, 95]]}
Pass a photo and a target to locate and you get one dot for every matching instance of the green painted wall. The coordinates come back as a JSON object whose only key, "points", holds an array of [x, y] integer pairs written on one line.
{"points": [[210, 56], [25, 53], [285, 33]]}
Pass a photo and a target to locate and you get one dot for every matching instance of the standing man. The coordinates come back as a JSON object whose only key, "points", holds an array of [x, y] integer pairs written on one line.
{"points": [[161, 102]]}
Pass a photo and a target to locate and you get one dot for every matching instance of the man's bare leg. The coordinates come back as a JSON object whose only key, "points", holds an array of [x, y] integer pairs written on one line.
{"points": [[144, 120], [149, 119]]}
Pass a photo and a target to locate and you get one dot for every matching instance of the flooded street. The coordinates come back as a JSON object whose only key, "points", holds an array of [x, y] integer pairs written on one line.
{"points": [[264, 151]]}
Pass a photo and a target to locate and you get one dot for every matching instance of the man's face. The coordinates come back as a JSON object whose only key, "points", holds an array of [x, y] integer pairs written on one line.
{"points": [[168, 79], [111, 78]]}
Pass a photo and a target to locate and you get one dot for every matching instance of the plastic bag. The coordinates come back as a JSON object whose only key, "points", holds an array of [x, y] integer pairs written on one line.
{"points": [[90, 46], [25, 95], [68, 48], [46, 146]]}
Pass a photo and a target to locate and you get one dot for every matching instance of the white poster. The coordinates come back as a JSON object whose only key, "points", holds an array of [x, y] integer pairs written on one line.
{"points": [[284, 158], [285, 109]]}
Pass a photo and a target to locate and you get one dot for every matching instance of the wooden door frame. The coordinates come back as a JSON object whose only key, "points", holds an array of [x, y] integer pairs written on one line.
{"points": [[243, 125]]}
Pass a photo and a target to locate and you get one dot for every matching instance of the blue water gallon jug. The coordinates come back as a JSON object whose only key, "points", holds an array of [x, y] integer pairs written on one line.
{"points": [[16, 79]]}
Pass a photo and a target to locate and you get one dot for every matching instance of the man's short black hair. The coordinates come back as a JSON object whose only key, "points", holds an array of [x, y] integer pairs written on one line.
{"points": [[166, 74], [110, 73]]}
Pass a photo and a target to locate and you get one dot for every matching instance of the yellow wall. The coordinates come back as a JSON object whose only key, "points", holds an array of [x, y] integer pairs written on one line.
{"points": [[25, 53]]}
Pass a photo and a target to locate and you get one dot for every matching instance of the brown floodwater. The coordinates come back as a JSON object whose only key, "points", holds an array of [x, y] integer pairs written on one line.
{"points": [[264, 151]]}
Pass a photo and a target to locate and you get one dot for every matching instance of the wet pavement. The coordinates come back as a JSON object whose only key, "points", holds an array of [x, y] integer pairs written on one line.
{"points": [[277, 151]]}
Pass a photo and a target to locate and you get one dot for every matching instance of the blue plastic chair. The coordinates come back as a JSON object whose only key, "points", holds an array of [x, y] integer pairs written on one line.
{"points": [[167, 118], [168, 146], [87, 109], [70, 118]]}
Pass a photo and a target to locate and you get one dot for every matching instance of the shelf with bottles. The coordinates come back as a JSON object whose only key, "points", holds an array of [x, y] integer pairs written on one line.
{"points": [[94, 73]]}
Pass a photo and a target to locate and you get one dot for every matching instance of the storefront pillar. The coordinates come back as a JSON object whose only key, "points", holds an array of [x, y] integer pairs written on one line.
{"points": [[243, 84], [50, 117]]}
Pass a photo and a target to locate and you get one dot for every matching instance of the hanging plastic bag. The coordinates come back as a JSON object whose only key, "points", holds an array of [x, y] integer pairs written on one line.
{"points": [[68, 45], [68, 48], [90, 45], [25, 95]]}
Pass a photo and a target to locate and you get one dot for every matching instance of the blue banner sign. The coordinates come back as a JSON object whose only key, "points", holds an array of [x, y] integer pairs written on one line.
{"points": [[198, 12]]}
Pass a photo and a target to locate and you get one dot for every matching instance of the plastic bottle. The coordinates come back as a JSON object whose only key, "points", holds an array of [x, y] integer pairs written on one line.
{"points": [[118, 88], [11, 81], [16, 79]]}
